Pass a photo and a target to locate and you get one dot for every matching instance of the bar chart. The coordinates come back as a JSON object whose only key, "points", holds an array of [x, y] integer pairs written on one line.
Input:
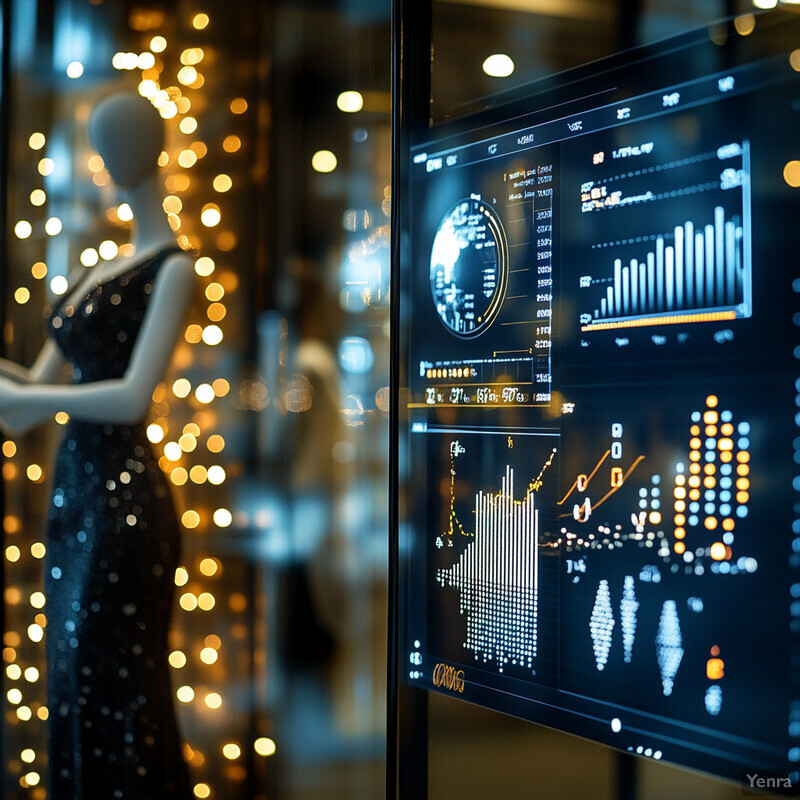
{"points": [[498, 578], [680, 253], [701, 275]]}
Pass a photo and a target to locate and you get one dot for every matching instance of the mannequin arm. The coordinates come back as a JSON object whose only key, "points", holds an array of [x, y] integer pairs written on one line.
{"points": [[46, 368], [14, 372], [122, 400]]}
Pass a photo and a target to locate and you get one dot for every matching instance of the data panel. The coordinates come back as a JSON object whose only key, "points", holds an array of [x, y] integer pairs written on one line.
{"points": [[599, 352]]}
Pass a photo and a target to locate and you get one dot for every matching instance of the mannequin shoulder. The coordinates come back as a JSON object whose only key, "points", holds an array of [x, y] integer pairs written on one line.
{"points": [[177, 277], [179, 260], [179, 266]]}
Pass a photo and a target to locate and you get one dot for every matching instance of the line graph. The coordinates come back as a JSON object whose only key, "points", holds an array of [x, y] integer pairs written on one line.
{"points": [[617, 479]]}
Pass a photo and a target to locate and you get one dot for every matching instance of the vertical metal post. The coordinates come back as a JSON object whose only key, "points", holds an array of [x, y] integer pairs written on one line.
{"points": [[629, 15], [626, 765], [407, 719]]}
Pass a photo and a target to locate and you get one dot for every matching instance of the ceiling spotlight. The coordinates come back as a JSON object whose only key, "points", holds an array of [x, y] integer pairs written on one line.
{"points": [[350, 102], [498, 65]]}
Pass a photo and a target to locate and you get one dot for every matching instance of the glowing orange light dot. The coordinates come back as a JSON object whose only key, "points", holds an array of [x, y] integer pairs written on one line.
{"points": [[791, 172], [680, 533], [216, 312], [679, 547], [711, 524], [231, 143], [215, 443], [743, 456], [193, 334], [715, 669], [231, 750], [190, 519], [728, 524], [712, 400], [238, 105], [209, 566], [680, 519], [264, 746], [711, 417], [742, 498], [718, 551]]}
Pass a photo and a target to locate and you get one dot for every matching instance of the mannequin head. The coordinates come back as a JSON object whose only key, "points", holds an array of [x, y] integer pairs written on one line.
{"points": [[128, 134]]}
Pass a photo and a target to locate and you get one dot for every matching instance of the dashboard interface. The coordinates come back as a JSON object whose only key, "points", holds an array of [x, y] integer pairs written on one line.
{"points": [[600, 424]]}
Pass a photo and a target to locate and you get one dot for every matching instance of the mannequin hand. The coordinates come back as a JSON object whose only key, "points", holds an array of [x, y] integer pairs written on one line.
{"points": [[17, 416], [11, 396], [15, 423]]}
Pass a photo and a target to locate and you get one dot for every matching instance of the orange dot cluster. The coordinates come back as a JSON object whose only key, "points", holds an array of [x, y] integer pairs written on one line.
{"points": [[704, 477]]}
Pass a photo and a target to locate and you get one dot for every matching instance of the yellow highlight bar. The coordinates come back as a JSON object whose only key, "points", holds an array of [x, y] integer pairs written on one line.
{"points": [[475, 405], [643, 322]]}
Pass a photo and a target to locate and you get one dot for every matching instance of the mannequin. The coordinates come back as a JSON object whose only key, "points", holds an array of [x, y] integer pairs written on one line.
{"points": [[128, 136], [113, 537]]}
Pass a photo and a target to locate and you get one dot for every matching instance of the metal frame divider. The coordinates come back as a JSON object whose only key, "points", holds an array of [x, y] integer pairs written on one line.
{"points": [[407, 717]]}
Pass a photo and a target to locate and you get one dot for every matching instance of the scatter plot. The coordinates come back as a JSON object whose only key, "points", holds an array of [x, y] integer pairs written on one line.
{"points": [[627, 614], [714, 700], [669, 645], [601, 625]]}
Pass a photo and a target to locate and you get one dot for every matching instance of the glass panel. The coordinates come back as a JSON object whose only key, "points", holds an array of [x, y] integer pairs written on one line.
{"points": [[542, 38], [326, 450], [201, 72], [270, 423]]}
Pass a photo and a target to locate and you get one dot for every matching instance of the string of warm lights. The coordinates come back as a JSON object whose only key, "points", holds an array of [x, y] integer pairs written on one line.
{"points": [[23, 651]]}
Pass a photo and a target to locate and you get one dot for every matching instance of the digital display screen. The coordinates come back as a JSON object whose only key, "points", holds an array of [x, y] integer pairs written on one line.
{"points": [[600, 424]]}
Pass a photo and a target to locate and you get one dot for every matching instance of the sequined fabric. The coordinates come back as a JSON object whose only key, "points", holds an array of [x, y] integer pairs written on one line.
{"points": [[112, 548]]}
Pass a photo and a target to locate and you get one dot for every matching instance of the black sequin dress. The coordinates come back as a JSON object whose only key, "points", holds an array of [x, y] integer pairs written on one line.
{"points": [[112, 548]]}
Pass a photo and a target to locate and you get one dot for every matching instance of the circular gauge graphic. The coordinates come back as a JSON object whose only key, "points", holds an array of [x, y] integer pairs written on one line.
{"points": [[469, 268]]}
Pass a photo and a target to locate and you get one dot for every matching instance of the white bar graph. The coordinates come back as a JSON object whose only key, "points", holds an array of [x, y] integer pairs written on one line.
{"points": [[498, 578], [696, 268]]}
